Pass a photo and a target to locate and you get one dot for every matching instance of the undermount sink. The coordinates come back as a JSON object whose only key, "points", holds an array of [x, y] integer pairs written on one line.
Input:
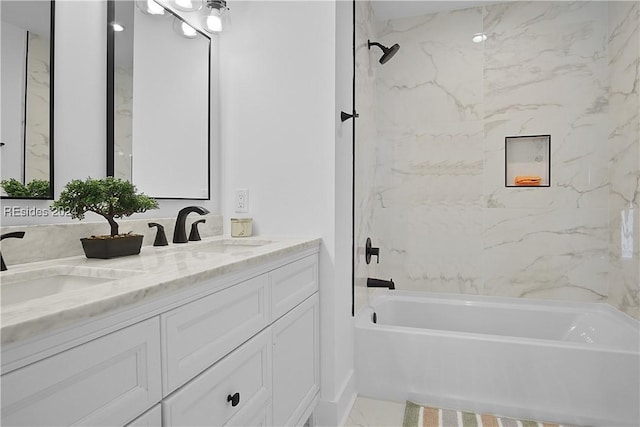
{"points": [[230, 246], [33, 284]]}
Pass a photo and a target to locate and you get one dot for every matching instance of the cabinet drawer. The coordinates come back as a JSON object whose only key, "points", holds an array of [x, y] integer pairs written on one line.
{"points": [[293, 283], [151, 418], [107, 381], [198, 334], [205, 400], [262, 418]]}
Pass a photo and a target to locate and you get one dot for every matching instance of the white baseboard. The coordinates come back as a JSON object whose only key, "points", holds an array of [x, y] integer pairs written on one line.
{"points": [[334, 413]]}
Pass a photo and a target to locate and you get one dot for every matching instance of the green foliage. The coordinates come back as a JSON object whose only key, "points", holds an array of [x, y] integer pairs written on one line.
{"points": [[37, 189], [14, 188], [109, 197]]}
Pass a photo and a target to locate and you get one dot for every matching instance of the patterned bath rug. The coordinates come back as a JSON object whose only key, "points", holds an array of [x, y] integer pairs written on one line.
{"points": [[424, 416]]}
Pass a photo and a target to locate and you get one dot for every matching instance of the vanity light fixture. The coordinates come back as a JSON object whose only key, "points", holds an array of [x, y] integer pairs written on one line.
{"points": [[218, 17], [188, 5], [117, 27], [150, 7]]}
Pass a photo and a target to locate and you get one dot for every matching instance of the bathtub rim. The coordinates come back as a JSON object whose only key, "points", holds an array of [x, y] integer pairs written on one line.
{"points": [[363, 318]]}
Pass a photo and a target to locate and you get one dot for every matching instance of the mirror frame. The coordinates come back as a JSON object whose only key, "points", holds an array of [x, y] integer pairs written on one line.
{"points": [[111, 13], [52, 32]]}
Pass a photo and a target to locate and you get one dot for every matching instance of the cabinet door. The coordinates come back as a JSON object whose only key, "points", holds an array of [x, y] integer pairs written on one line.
{"points": [[105, 382], [237, 386], [198, 334], [293, 283], [296, 355]]}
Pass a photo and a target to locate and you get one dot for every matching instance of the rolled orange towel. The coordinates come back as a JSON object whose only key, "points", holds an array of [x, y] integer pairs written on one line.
{"points": [[528, 180]]}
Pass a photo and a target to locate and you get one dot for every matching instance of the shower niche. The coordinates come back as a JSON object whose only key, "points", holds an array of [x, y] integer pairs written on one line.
{"points": [[527, 161]]}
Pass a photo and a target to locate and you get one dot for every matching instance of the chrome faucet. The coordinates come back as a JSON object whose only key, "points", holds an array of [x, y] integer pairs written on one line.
{"points": [[15, 234], [180, 230]]}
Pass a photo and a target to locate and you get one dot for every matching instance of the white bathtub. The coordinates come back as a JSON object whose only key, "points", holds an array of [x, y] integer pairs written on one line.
{"points": [[576, 363]]}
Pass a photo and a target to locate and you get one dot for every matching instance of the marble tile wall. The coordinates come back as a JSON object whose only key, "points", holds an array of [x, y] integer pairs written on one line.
{"points": [[123, 122], [366, 137], [442, 216], [50, 241], [624, 169], [37, 113]]}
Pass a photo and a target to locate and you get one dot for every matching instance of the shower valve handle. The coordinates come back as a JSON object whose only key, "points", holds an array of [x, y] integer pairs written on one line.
{"points": [[371, 251]]}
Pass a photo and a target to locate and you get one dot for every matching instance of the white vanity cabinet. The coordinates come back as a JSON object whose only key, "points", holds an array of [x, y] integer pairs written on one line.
{"points": [[238, 386], [241, 350], [151, 418], [105, 382], [197, 334], [273, 378], [296, 373]]}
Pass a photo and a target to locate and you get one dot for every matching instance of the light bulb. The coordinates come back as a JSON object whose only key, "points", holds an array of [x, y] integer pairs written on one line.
{"points": [[188, 30], [188, 5], [182, 28], [479, 37], [154, 8], [117, 27], [214, 21], [218, 17], [149, 7]]}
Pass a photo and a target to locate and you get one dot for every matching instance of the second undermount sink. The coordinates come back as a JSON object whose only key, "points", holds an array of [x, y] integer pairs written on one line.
{"points": [[230, 246], [33, 284]]}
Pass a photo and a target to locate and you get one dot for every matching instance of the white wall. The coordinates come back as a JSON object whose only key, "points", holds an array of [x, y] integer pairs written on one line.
{"points": [[170, 120], [80, 72], [279, 116]]}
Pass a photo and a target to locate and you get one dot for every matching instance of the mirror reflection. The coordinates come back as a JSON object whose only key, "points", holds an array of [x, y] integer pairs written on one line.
{"points": [[159, 120], [26, 64]]}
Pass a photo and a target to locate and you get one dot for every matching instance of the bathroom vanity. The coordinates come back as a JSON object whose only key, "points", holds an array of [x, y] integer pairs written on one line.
{"points": [[218, 332]]}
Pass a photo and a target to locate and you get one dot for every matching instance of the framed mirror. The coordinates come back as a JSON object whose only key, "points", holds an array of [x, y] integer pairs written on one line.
{"points": [[158, 108], [26, 133]]}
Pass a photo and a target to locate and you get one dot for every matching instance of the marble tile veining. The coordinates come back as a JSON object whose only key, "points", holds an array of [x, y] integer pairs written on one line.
{"points": [[624, 170], [434, 147], [365, 153], [156, 272], [556, 254], [51, 241], [37, 109]]}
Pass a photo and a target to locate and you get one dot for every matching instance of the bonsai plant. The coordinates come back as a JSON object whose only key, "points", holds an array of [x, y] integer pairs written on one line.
{"points": [[111, 198], [37, 188]]}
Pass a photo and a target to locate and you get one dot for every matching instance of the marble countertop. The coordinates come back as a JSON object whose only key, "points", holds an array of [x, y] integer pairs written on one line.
{"points": [[157, 271]]}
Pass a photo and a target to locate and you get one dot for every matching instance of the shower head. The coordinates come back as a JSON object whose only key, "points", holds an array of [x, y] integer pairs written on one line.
{"points": [[387, 52]]}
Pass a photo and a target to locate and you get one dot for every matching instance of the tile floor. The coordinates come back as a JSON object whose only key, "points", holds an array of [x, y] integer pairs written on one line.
{"points": [[375, 413]]}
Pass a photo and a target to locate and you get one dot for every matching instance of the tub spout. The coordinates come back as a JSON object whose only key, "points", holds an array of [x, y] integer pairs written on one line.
{"points": [[379, 283]]}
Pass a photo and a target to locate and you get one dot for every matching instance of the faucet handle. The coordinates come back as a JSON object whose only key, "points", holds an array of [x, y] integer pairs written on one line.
{"points": [[161, 238], [371, 251], [194, 235], [15, 235]]}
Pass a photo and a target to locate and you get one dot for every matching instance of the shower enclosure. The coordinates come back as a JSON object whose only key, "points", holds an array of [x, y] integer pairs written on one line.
{"points": [[434, 123]]}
